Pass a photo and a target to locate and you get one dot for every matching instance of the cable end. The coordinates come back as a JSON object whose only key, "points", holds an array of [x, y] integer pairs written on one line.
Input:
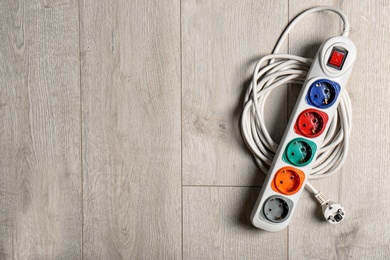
{"points": [[333, 212], [346, 30]]}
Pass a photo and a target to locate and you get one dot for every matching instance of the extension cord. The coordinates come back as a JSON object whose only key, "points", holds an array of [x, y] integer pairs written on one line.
{"points": [[324, 145]]}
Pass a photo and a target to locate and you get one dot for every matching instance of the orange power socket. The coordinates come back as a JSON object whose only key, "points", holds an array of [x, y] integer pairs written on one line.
{"points": [[288, 180]]}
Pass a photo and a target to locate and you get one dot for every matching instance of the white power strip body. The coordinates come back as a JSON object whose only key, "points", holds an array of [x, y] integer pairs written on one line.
{"points": [[320, 70]]}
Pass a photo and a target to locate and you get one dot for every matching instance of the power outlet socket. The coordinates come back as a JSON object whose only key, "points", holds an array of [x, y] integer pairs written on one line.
{"points": [[304, 134]]}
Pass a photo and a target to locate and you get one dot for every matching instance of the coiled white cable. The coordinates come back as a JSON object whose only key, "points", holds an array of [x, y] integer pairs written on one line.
{"points": [[283, 69]]}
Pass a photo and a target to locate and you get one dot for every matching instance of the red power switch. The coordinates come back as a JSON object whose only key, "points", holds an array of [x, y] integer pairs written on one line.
{"points": [[337, 58]]}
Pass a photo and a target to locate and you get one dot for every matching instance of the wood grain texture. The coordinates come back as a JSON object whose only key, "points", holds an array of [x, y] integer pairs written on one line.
{"points": [[221, 41], [362, 185], [216, 226], [130, 53], [40, 181], [98, 176]]}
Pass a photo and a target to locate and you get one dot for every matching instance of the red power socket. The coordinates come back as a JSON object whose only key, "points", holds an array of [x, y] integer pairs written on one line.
{"points": [[311, 123]]}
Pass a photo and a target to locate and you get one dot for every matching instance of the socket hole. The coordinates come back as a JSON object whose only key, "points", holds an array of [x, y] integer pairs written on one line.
{"points": [[281, 182], [277, 210], [299, 153], [328, 90], [311, 124]]}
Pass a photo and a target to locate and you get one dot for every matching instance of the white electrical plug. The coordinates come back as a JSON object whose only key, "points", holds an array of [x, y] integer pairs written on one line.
{"points": [[333, 212]]}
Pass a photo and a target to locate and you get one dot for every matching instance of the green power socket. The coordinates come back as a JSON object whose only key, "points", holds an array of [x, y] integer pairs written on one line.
{"points": [[299, 152]]}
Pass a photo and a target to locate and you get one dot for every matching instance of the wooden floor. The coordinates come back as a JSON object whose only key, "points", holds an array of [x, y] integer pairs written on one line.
{"points": [[119, 130]]}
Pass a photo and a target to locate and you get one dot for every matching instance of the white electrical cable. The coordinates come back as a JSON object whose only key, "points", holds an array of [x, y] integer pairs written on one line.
{"points": [[277, 70]]}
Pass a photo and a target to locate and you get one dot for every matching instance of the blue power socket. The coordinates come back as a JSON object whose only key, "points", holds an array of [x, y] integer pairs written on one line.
{"points": [[323, 93]]}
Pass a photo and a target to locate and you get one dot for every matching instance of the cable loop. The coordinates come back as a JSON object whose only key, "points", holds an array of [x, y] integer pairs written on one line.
{"points": [[276, 70]]}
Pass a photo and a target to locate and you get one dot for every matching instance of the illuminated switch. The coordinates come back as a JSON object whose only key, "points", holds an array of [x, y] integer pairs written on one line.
{"points": [[337, 58]]}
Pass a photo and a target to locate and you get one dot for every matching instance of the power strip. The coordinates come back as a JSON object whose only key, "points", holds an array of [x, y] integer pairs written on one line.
{"points": [[313, 115]]}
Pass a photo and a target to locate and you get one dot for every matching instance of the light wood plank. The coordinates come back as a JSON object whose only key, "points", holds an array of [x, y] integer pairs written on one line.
{"points": [[361, 187], [216, 226], [40, 190], [221, 42], [131, 129]]}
